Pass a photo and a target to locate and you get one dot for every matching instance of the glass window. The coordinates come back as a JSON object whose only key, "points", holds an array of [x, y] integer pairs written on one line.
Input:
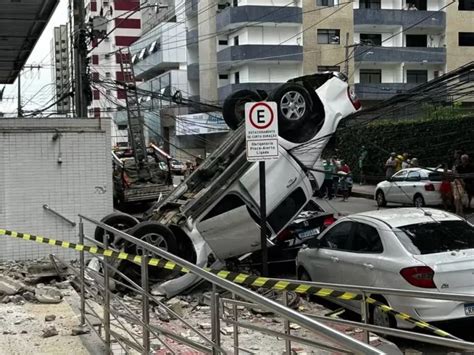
{"points": [[466, 39], [325, 2], [223, 76], [371, 39], [417, 5], [223, 42], [323, 68], [466, 5], [337, 237], [400, 176], [430, 238], [237, 77], [236, 40], [417, 76], [369, 4], [413, 176], [370, 76], [416, 41], [328, 36], [366, 239], [281, 215], [227, 204]]}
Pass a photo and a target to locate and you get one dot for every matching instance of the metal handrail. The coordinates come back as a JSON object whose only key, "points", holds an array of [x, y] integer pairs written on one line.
{"points": [[56, 213], [333, 335]]}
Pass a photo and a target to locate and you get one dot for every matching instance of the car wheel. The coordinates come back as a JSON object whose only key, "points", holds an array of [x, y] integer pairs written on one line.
{"points": [[120, 221], [380, 198], [419, 201], [153, 233], [233, 109], [294, 106], [379, 317], [303, 275]]}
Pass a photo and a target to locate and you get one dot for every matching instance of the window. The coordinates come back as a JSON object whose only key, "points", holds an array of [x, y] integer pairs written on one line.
{"points": [[400, 176], [95, 59], [108, 75], [466, 39], [228, 203], [96, 94], [371, 39], [223, 42], [237, 78], [223, 76], [413, 176], [370, 76], [466, 5], [417, 76], [323, 68], [430, 238], [369, 4], [417, 4], [235, 3], [416, 40], [281, 215], [236, 40], [366, 239], [327, 36], [325, 2], [337, 237]]}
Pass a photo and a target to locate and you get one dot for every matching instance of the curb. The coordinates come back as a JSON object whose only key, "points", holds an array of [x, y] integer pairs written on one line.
{"points": [[362, 194]]}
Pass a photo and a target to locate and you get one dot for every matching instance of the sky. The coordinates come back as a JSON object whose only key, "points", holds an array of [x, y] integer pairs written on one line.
{"points": [[35, 84]]}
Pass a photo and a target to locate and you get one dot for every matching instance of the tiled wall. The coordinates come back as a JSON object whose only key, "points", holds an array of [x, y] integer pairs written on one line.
{"points": [[31, 176]]}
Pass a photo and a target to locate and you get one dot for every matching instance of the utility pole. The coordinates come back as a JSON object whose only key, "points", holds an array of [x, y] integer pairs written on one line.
{"points": [[20, 113], [80, 53], [346, 69]]}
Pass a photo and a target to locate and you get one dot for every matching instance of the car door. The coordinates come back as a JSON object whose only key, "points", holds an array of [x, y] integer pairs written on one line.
{"points": [[412, 185], [322, 261], [397, 184]]}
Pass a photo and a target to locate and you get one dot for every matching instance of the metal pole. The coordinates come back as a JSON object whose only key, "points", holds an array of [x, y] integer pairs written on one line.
{"points": [[236, 326], [263, 218], [215, 320], [287, 325], [346, 69], [82, 266], [145, 306], [20, 114], [80, 49], [106, 298], [365, 316]]}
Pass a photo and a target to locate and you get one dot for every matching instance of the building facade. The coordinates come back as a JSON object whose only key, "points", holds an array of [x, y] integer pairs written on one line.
{"points": [[61, 68], [388, 46]]}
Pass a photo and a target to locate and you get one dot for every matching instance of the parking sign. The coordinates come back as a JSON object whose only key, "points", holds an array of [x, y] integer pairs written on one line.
{"points": [[261, 131]]}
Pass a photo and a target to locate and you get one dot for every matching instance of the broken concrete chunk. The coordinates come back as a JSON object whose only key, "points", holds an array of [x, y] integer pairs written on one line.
{"points": [[29, 296], [9, 286], [294, 326], [79, 330], [49, 331], [62, 285], [50, 317], [162, 313], [48, 295], [227, 330], [17, 299], [205, 326]]}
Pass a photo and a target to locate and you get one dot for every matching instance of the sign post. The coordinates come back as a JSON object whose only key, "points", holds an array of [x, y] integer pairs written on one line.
{"points": [[261, 133]]}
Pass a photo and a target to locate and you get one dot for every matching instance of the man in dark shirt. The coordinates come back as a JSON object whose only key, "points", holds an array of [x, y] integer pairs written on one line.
{"points": [[466, 172]]}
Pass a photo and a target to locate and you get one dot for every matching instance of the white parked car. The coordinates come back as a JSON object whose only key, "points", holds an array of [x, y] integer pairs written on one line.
{"points": [[403, 248], [412, 186]]}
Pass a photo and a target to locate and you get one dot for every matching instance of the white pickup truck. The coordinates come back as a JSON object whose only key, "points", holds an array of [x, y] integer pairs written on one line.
{"points": [[214, 214]]}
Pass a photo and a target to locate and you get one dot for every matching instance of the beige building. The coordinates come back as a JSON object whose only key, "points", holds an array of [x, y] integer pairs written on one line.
{"points": [[62, 68]]}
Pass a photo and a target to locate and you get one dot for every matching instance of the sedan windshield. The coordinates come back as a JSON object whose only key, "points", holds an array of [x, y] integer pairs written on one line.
{"points": [[436, 237]]}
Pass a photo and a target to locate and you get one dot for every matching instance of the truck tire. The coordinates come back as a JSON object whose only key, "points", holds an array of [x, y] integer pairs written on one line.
{"points": [[233, 109], [117, 220], [155, 234], [294, 106]]}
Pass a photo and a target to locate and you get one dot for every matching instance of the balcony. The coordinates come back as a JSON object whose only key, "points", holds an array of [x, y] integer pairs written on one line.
{"points": [[260, 52], [192, 38], [193, 71], [434, 19], [232, 17], [157, 63], [226, 90], [426, 55], [381, 91]]}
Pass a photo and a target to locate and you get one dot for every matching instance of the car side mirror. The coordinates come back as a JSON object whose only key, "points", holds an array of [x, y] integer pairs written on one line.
{"points": [[314, 243]]}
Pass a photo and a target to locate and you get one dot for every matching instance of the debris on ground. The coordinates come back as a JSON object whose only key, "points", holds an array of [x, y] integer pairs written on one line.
{"points": [[50, 331], [50, 317], [79, 330], [47, 294]]}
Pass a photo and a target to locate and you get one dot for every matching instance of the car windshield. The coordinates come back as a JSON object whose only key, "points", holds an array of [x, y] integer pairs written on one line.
{"points": [[436, 237]]}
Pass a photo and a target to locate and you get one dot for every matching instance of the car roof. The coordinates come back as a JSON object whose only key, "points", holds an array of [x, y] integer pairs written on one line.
{"points": [[398, 217]]}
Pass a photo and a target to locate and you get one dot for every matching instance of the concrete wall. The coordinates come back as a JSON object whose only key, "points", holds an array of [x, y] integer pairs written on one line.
{"points": [[31, 177], [458, 21], [337, 17], [207, 50]]}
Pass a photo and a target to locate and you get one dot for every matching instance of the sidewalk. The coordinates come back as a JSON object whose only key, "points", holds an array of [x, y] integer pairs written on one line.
{"points": [[364, 191]]}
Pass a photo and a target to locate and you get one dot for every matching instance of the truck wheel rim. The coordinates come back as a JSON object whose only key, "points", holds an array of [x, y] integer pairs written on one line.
{"points": [[293, 105], [156, 240]]}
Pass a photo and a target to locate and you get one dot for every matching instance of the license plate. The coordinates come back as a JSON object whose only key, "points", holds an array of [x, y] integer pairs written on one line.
{"points": [[469, 309], [310, 233]]}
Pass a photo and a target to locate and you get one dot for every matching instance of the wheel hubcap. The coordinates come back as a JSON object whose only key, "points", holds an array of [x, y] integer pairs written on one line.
{"points": [[418, 202], [381, 318], [293, 105], [153, 239], [380, 199]]}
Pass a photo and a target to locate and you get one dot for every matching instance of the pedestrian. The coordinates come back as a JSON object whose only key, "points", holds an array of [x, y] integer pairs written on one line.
{"points": [[327, 188], [414, 163], [406, 161], [457, 187], [445, 190], [198, 160], [362, 164], [399, 161], [466, 173], [345, 180], [390, 165], [335, 177], [457, 158]]}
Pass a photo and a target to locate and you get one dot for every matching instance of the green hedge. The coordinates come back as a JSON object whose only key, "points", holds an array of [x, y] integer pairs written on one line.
{"points": [[430, 139]]}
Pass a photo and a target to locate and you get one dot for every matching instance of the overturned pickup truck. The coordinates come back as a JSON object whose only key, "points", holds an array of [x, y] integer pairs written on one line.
{"points": [[213, 216]]}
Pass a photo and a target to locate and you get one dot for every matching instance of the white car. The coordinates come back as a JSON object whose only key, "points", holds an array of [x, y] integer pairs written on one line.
{"points": [[412, 186], [403, 248]]}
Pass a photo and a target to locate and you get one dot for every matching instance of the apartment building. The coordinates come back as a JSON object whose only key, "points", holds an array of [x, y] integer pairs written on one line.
{"points": [[122, 22], [208, 50], [61, 71], [396, 44]]}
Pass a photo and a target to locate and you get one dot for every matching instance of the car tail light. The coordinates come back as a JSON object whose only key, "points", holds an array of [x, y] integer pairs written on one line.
{"points": [[419, 276], [429, 187], [328, 221], [354, 99], [285, 234]]}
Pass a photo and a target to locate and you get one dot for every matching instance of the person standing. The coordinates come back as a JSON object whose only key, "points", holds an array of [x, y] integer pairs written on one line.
{"points": [[406, 161], [345, 180], [445, 190], [457, 187], [327, 188], [362, 163], [390, 165], [466, 173]]}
